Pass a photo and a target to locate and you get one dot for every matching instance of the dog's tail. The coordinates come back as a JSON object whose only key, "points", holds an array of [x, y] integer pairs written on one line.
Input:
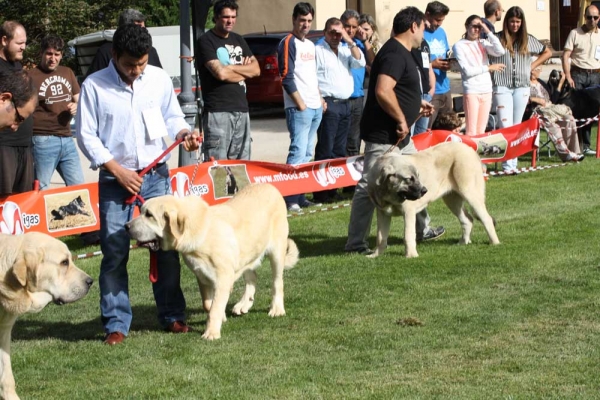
{"points": [[291, 255]]}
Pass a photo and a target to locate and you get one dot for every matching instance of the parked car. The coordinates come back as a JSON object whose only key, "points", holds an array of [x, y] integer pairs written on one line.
{"points": [[266, 89]]}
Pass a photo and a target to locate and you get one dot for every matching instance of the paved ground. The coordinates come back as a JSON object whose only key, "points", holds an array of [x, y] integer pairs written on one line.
{"points": [[270, 135]]}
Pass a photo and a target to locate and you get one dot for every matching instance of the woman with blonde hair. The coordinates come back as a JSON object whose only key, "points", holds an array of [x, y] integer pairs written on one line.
{"points": [[367, 30], [511, 86], [472, 53]]}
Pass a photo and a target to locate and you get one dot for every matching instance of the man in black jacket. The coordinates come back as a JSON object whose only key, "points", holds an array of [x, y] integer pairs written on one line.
{"points": [[104, 53]]}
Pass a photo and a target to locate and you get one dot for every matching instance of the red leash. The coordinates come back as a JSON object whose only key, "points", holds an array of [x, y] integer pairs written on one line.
{"points": [[153, 274]]}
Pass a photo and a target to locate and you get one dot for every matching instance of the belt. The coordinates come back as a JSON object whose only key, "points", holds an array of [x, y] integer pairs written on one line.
{"points": [[586, 71], [153, 169], [334, 100]]}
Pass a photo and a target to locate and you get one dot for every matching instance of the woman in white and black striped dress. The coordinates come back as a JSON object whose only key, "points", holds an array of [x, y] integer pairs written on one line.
{"points": [[511, 86]]}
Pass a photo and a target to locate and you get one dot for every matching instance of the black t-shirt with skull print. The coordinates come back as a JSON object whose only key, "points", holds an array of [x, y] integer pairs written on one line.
{"points": [[221, 96]]}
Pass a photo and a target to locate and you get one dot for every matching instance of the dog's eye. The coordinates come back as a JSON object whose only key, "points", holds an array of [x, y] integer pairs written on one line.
{"points": [[148, 214], [65, 262]]}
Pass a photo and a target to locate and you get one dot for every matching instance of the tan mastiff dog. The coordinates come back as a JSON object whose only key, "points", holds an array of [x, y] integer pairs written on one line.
{"points": [[35, 269], [406, 184], [221, 243]]}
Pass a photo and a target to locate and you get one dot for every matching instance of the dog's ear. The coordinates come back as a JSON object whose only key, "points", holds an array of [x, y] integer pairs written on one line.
{"points": [[386, 171], [175, 220], [23, 270]]}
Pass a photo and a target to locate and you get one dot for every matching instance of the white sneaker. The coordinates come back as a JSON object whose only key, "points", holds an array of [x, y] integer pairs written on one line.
{"points": [[295, 208]]}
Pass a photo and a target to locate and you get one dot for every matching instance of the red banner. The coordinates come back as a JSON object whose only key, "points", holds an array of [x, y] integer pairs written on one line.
{"points": [[499, 145], [74, 209]]}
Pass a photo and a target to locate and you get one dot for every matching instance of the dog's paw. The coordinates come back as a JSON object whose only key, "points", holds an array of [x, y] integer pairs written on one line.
{"points": [[464, 241], [375, 254], [277, 311], [242, 307], [411, 254], [211, 335]]}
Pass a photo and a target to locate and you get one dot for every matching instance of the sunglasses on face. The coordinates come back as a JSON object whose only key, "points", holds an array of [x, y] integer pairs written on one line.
{"points": [[590, 17], [18, 117]]}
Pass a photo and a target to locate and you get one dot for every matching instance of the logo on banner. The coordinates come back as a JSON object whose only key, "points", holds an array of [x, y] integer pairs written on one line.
{"points": [[182, 187], [355, 166], [454, 138], [326, 175], [10, 219]]}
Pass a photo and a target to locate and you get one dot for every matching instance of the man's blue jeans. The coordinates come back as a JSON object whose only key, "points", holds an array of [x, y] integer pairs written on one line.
{"points": [[422, 123], [58, 153], [115, 307], [302, 126]]}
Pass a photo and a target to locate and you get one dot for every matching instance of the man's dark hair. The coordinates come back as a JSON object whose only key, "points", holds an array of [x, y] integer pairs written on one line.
{"points": [[131, 16], [303, 9], [490, 7], [222, 4], [52, 42], [406, 17], [8, 29], [436, 8], [19, 84], [332, 21], [133, 40]]}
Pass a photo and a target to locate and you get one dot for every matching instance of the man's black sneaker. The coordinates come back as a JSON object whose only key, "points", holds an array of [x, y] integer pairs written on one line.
{"points": [[432, 234]]}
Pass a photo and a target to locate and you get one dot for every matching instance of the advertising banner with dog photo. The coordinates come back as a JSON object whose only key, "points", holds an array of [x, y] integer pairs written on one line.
{"points": [[494, 146], [74, 209]]}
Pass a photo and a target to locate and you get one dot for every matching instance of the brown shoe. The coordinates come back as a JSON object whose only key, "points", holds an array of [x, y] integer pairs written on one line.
{"points": [[114, 338], [178, 327]]}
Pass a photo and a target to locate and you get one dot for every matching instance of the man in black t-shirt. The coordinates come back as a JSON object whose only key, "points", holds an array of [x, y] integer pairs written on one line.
{"points": [[393, 104], [224, 63], [16, 159]]}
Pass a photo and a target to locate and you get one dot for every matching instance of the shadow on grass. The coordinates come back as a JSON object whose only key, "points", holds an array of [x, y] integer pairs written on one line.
{"points": [[323, 245], [144, 319]]}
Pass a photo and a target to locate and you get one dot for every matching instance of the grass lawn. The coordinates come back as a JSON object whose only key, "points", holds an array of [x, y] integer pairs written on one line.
{"points": [[519, 320]]}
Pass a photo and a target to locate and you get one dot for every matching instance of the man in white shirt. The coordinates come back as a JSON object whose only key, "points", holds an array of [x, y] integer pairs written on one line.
{"points": [[124, 112], [336, 83]]}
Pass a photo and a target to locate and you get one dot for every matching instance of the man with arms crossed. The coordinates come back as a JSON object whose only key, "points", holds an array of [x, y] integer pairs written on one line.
{"points": [[58, 91], [393, 104], [225, 62], [302, 100], [124, 112], [581, 63]]}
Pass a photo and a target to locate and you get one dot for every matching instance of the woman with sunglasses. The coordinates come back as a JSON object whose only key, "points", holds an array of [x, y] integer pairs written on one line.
{"points": [[472, 56], [511, 86]]}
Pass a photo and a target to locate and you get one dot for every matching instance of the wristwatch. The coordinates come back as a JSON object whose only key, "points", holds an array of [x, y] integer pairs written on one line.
{"points": [[351, 45]]}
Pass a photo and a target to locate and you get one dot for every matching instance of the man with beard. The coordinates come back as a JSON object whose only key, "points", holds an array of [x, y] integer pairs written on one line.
{"points": [[16, 163], [58, 91], [493, 13]]}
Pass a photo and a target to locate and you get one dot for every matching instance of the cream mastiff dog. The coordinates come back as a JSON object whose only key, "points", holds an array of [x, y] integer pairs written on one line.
{"points": [[222, 243], [35, 269], [406, 184]]}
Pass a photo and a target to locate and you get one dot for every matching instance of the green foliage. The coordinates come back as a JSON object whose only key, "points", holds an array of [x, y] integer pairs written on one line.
{"points": [[518, 320]]}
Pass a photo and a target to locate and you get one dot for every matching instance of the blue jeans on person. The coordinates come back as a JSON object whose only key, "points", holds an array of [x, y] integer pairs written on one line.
{"points": [[58, 153], [302, 126], [510, 104], [422, 123], [115, 307]]}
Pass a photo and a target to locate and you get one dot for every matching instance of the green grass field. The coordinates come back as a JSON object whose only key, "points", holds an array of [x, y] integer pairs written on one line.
{"points": [[520, 320]]}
